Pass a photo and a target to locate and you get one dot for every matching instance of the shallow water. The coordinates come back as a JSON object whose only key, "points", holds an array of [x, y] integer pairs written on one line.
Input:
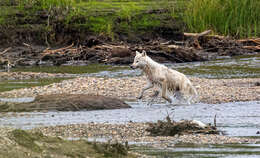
{"points": [[237, 67], [236, 119], [18, 100], [205, 151]]}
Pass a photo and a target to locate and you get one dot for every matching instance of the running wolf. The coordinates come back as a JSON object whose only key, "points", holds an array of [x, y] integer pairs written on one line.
{"points": [[169, 81]]}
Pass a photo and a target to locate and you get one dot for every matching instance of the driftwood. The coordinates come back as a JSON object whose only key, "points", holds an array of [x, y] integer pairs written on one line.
{"points": [[195, 47], [252, 44], [171, 128], [204, 33], [198, 34], [252, 47], [255, 40], [108, 46], [6, 50], [194, 38], [60, 50]]}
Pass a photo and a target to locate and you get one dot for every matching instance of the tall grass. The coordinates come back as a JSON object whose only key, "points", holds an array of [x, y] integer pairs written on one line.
{"points": [[46, 4], [239, 18]]}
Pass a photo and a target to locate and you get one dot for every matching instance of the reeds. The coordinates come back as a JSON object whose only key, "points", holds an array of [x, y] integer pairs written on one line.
{"points": [[239, 18], [46, 4]]}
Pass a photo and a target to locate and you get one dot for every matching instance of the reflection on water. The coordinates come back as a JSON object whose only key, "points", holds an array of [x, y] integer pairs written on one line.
{"points": [[237, 67], [18, 100], [237, 119]]}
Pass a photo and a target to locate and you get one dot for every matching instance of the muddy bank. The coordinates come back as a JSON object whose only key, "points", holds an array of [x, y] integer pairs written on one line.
{"points": [[210, 90], [65, 102]]}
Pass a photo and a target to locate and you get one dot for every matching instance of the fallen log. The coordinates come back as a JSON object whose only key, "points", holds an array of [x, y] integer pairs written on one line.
{"points": [[255, 48], [254, 40], [48, 51], [194, 38], [6, 50], [197, 34]]}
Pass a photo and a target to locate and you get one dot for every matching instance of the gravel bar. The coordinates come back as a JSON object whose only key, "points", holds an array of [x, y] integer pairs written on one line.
{"points": [[136, 132], [210, 91]]}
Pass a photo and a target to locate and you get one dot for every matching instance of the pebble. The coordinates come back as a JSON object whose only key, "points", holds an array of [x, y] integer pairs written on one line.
{"points": [[210, 91]]}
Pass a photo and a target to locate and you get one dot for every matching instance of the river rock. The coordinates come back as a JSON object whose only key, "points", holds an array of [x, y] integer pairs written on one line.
{"points": [[68, 102]]}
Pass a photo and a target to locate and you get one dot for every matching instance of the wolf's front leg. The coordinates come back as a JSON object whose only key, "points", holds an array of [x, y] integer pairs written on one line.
{"points": [[164, 91], [146, 87]]}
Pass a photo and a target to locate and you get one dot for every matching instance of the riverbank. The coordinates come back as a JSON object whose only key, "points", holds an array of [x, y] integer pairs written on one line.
{"points": [[25, 144], [210, 91]]}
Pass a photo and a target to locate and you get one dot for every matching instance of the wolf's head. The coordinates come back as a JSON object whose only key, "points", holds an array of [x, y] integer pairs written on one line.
{"points": [[140, 60]]}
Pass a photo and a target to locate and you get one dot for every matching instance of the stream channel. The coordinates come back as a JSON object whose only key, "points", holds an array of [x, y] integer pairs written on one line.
{"points": [[235, 119]]}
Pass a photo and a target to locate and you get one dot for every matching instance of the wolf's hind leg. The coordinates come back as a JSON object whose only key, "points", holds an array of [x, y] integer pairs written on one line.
{"points": [[154, 95], [164, 91]]}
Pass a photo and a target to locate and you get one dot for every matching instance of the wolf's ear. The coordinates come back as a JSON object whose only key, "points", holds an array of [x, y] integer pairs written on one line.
{"points": [[137, 52], [143, 53]]}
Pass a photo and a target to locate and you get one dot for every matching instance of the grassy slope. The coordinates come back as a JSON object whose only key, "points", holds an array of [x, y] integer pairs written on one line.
{"points": [[48, 20], [66, 21]]}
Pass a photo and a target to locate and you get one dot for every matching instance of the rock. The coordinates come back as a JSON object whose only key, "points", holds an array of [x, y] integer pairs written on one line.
{"points": [[67, 102]]}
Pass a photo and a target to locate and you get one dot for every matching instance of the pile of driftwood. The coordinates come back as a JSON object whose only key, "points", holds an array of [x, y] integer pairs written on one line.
{"points": [[193, 47], [171, 128]]}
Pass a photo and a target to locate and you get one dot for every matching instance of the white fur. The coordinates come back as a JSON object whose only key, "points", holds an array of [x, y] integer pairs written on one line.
{"points": [[170, 82]]}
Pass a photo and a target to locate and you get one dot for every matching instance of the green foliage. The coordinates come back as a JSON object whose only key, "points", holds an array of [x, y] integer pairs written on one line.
{"points": [[146, 22], [128, 11], [240, 18]]}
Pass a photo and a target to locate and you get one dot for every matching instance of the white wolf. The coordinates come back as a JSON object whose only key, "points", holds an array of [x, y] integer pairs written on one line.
{"points": [[169, 81]]}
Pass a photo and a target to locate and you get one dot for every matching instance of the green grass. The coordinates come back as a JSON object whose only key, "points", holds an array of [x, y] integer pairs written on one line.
{"points": [[92, 68], [239, 18]]}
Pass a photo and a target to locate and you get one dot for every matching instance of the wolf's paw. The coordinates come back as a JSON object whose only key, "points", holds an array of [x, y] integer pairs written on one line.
{"points": [[140, 97], [155, 94]]}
